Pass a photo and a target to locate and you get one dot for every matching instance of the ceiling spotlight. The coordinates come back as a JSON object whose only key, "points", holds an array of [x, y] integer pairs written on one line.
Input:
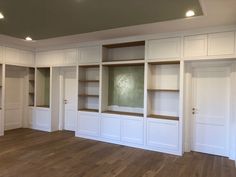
{"points": [[1, 16], [190, 13], [28, 38]]}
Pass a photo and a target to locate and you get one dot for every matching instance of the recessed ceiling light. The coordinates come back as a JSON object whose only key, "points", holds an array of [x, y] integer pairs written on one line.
{"points": [[1, 16], [190, 13], [28, 38]]}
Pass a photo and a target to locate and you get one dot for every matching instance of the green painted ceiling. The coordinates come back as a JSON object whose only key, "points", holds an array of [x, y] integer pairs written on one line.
{"points": [[42, 19]]}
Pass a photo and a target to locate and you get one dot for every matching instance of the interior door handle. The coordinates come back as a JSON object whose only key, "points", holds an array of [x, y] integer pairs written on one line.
{"points": [[194, 110], [65, 101]]}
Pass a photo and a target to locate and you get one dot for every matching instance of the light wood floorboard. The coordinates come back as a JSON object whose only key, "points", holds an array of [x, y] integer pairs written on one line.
{"points": [[30, 153]]}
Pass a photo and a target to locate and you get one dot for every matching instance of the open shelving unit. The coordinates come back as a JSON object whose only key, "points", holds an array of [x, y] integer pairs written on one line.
{"points": [[131, 52], [88, 98], [123, 89], [43, 87], [31, 73], [163, 90]]}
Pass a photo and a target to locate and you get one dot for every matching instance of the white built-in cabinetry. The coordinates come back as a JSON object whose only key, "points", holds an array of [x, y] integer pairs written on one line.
{"points": [[66, 57], [89, 54], [157, 124], [169, 48], [210, 45], [19, 57]]}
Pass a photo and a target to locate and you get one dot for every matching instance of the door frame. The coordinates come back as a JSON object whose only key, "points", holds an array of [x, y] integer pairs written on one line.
{"points": [[62, 94], [188, 98]]}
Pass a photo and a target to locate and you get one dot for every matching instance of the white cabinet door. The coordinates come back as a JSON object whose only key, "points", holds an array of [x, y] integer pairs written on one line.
{"points": [[91, 54], [30, 116], [11, 55], [89, 124], [132, 129], [70, 57], [221, 43], [163, 48], [195, 46], [41, 59], [51, 58], [1, 54], [163, 134], [110, 126], [1, 124], [26, 58], [42, 119]]}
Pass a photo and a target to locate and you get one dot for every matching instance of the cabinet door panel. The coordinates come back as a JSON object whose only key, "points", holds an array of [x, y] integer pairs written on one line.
{"points": [[70, 57], [89, 54], [26, 58], [162, 134], [11, 55], [110, 127], [195, 46], [88, 123], [221, 43], [132, 130], [164, 48]]}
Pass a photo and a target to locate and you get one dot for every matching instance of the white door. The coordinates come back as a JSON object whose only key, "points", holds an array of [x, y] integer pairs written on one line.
{"points": [[210, 110], [70, 99], [14, 98]]}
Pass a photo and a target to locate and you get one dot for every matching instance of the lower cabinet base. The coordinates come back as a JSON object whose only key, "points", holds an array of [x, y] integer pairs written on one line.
{"points": [[40, 119], [130, 144], [150, 134]]}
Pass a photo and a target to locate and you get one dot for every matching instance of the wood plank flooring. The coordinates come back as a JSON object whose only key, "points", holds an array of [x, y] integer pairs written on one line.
{"points": [[30, 153]]}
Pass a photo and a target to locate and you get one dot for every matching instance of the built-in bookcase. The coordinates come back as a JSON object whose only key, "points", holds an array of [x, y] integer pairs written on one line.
{"points": [[43, 87], [88, 88], [31, 90], [163, 90], [123, 89], [130, 51]]}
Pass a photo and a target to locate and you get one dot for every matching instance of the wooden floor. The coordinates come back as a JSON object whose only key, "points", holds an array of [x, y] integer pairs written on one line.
{"points": [[29, 153]]}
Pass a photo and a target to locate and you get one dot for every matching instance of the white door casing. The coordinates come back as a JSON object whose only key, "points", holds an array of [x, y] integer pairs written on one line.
{"points": [[211, 104], [70, 94]]}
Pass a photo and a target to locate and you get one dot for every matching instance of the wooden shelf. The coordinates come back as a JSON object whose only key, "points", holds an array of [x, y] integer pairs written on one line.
{"points": [[130, 62], [31, 93], [88, 110], [164, 63], [31, 105], [87, 95], [127, 44], [31, 80], [124, 113], [163, 90], [43, 106], [88, 80], [89, 66], [163, 117]]}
